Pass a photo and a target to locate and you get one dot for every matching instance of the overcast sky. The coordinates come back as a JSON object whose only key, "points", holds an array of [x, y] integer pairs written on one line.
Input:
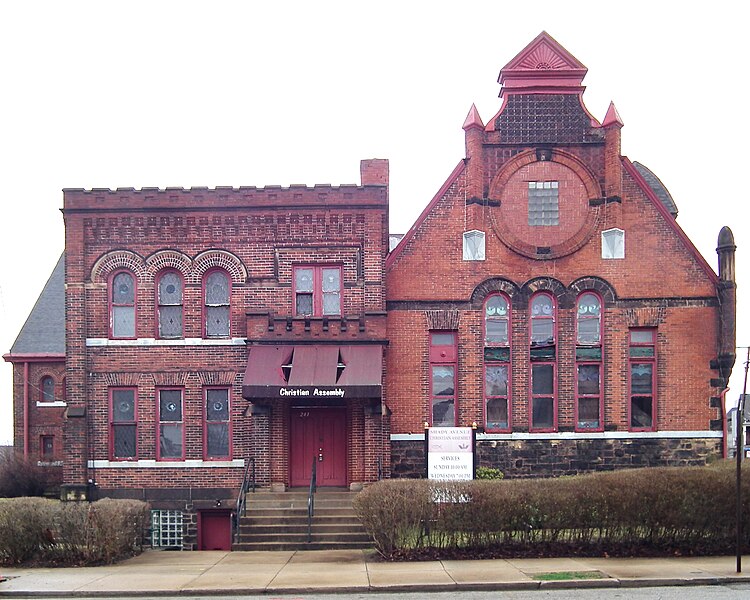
{"points": [[157, 94]]}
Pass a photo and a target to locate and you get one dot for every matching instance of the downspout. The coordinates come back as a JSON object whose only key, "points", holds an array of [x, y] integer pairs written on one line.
{"points": [[724, 446], [26, 409]]}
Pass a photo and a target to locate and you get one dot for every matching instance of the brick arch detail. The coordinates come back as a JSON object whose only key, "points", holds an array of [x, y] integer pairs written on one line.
{"points": [[570, 245], [491, 286], [168, 259], [565, 299], [559, 156], [594, 284], [111, 261], [222, 259]]}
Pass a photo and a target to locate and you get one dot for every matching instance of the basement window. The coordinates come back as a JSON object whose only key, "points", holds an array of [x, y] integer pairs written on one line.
{"points": [[166, 528]]}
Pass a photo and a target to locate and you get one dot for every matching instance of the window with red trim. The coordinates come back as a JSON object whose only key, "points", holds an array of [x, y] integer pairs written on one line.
{"points": [[443, 368], [171, 425], [217, 288], [497, 363], [169, 305], [642, 358], [589, 370], [217, 430], [123, 422], [317, 290], [122, 314], [47, 389], [543, 355]]}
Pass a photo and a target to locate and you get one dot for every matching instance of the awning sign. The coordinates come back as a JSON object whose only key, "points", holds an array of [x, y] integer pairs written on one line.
{"points": [[450, 453]]}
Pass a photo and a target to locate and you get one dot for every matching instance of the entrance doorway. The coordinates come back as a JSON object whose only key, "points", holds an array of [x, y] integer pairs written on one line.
{"points": [[320, 434]]}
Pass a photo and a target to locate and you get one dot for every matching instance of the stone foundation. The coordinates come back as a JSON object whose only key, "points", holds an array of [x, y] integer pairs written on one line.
{"points": [[553, 458]]}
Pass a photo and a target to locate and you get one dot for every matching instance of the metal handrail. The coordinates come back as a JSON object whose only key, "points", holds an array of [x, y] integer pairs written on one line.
{"points": [[311, 498], [241, 505]]}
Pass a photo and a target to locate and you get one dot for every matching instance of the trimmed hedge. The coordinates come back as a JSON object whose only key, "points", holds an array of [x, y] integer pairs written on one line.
{"points": [[629, 512], [50, 532]]}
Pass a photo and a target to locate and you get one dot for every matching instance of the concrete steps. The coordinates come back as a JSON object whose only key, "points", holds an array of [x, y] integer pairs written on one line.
{"points": [[278, 521]]}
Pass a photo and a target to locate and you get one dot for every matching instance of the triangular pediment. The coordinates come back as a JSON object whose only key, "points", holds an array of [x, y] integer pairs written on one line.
{"points": [[543, 62]]}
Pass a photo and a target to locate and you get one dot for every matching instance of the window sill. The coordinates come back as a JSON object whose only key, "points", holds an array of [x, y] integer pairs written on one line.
{"points": [[163, 464], [150, 342], [55, 404]]}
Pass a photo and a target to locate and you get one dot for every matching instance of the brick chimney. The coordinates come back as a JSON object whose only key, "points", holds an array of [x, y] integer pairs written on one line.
{"points": [[374, 171]]}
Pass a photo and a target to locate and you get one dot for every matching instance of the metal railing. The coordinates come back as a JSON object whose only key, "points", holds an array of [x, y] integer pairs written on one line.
{"points": [[311, 497], [248, 482]]}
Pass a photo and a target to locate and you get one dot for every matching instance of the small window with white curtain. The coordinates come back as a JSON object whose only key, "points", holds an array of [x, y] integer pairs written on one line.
{"points": [[613, 243], [474, 245]]}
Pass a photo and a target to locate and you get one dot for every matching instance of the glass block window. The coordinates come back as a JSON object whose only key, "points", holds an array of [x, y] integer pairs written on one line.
{"points": [[443, 367], [216, 433], [122, 305], [47, 389], [543, 203], [169, 300], [613, 243], [166, 528], [642, 353], [317, 291], [123, 424], [474, 245], [216, 293], [171, 426]]}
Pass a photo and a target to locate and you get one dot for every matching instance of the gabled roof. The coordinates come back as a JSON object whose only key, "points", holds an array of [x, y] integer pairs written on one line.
{"points": [[662, 193], [633, 171], [44, 329], [542, 63]]}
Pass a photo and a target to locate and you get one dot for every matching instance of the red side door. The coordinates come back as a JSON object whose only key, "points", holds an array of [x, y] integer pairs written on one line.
{"points": [[319, 434]]}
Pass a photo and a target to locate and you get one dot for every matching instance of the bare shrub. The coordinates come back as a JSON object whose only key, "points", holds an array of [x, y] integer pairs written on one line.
{"points": [[21, 477]]}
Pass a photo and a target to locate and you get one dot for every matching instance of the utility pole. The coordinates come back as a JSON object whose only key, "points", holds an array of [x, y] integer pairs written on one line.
{"points": [[740, 450]]}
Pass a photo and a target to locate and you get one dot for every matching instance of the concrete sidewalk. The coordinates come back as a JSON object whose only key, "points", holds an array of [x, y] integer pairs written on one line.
{"points": [[162, 573]]}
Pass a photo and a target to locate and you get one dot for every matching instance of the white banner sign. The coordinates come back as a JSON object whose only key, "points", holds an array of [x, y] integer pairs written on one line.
{"points": [[450, 453]]}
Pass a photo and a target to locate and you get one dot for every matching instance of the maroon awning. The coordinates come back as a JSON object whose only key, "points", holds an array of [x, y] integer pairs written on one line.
{"points": [[314, 372]]}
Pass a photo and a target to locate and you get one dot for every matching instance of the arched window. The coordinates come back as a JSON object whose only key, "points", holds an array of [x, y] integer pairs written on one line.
{"points": [[169, 305], [122, 305], [589, 319], [497, 363], [47, 389], [543, 355], [216, 293], [589, 362]]}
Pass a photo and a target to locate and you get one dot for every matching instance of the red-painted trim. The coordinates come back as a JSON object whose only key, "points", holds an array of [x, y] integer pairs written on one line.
{"points": [[653, 360], [31, 357], [553, 363], [396, 252], [317, 291], [113, 424], [206, 455], [204, 306], [26, 409], [509, 364], [451, 361], [170, 424], [600, 363], [670, 220], [158, 305], [112, 305]]}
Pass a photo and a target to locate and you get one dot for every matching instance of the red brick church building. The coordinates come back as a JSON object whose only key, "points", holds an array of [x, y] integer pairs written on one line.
{"points": [[545, 295]]}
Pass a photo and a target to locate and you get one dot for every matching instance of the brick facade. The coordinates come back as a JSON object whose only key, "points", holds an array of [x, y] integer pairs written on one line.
{"points": [[261, 238]]}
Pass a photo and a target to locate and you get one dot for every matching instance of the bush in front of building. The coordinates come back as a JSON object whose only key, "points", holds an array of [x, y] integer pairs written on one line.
{"points": [[21, 477], [652, 511], [54, 533]]}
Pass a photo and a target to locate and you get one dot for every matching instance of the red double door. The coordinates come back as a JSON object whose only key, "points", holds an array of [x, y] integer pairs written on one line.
{"points": [[318, 434]]}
